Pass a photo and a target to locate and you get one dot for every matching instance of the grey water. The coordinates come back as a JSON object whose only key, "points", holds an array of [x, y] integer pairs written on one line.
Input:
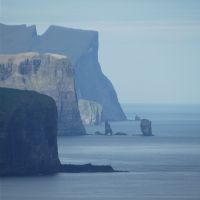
{"points": [[165, 166]]}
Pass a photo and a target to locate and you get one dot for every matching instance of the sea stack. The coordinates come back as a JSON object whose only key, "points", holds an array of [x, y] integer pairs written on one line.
{"points": [[28, 133], [145, 126], [49, 74]]}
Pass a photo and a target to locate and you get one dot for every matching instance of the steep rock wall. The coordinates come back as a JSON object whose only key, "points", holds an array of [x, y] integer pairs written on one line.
{"points": [[50, 74], [82, 48], [28, 133]]}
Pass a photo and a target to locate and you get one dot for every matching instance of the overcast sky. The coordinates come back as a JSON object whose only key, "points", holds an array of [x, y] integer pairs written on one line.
{"points": [[149, 49]]}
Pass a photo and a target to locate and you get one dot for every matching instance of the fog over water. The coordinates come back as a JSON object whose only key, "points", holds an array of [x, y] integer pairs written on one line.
{"points": [[149, 49]]}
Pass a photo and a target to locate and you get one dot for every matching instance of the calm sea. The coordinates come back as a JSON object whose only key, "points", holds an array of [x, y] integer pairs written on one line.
{"points": [[165, 166]]}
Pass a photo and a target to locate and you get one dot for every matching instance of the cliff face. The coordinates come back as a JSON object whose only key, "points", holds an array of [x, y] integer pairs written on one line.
{"points": [[81, 47], [98, 87], [91, 112], [50, 74], [15, 39], [28, 133]]}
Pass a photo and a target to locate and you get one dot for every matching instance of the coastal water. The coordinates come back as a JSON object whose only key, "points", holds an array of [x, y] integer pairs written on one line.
{"points": [[165, 166]]}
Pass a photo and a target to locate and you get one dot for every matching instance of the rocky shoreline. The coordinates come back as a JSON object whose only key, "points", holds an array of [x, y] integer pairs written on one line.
{"points": [[67, 168], [89, 168]]}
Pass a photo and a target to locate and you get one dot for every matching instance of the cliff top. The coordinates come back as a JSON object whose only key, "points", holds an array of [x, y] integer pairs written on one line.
{"points": [[69, 41], [21, 27], [56, 39], [72, 30], [17, 58]]}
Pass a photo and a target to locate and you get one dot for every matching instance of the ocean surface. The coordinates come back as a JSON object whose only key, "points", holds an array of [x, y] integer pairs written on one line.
{"points": [[161, 167]]}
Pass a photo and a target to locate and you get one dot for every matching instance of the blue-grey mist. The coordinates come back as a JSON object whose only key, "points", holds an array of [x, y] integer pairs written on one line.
{"points": [[148, 48]]}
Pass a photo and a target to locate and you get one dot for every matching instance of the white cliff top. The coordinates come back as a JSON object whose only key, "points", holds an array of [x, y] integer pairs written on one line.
{"points": [[17, 58]]}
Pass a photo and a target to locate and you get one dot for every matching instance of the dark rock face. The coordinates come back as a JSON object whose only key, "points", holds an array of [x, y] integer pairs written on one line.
{"points": [[85, 168], [28, 133], [145, 126], [81, 47], [108, 129], [49, 74]]}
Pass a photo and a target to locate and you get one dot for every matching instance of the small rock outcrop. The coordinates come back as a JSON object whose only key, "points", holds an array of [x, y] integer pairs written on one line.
{"points": [[49, 74], [90, 111], [108, 129], [28, 133], [137, 118], [120, 133], [98, 133], [145, 126], [65, 168]]}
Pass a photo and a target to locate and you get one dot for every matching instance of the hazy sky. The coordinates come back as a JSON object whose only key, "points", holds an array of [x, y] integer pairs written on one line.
{"points": [[149, 49]]}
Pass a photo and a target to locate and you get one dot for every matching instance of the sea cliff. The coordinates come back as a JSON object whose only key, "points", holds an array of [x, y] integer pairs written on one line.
{"points": [[81, 46], [49, 74], [28, 133]]}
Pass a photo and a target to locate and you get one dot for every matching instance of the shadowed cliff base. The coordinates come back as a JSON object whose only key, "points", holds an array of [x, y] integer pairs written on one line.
{"points": [[70, 168], [65, 168]]}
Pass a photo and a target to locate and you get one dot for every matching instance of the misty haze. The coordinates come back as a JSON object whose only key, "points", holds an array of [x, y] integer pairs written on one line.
{"points": [[99, 100]]}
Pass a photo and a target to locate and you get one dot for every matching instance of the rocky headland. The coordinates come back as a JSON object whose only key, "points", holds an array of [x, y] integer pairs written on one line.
{"points": [[49, 74], [81, 46], [28, 133], [28, 136]]}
